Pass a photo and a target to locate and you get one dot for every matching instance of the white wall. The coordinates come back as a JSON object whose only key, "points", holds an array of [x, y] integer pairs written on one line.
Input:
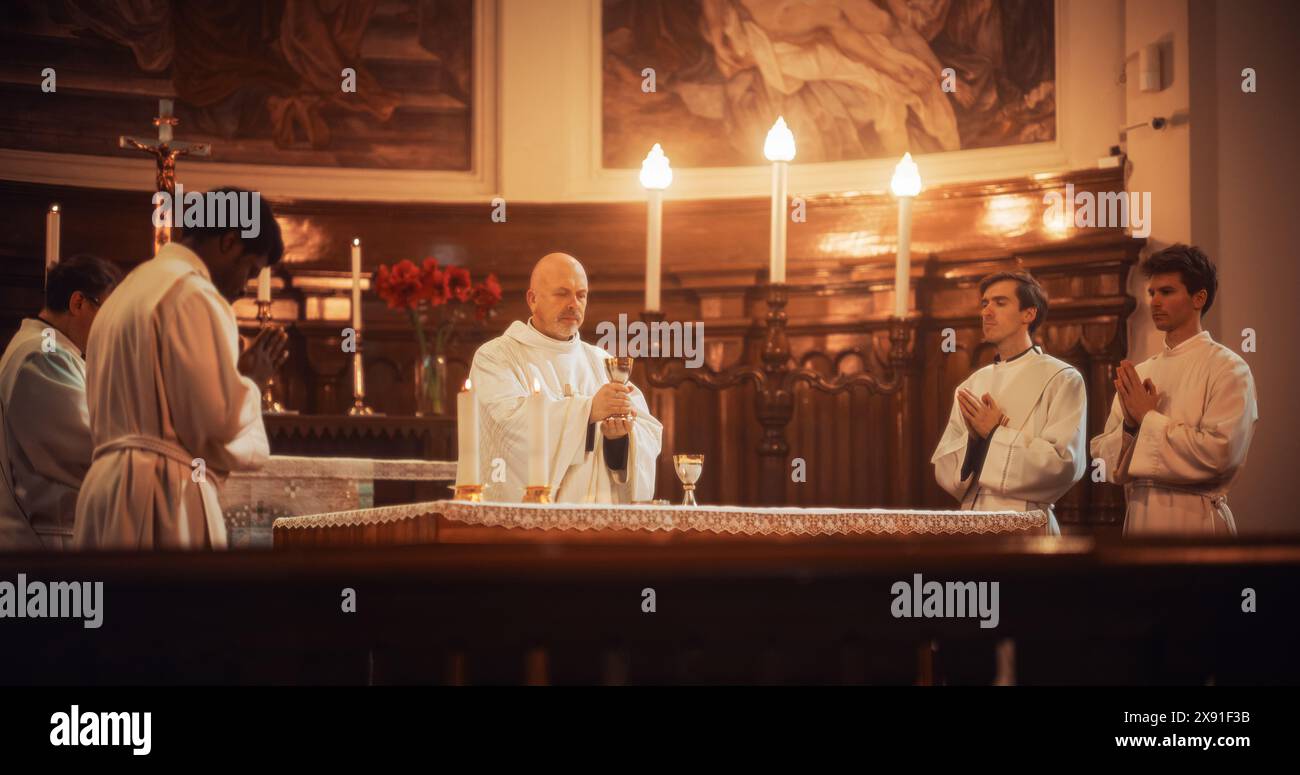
{"points": [[1252, 149], [1160, 159]]}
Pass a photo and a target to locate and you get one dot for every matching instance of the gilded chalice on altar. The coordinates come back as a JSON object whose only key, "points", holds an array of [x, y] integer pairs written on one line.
{"points": [[688, 468], [620, 371]]}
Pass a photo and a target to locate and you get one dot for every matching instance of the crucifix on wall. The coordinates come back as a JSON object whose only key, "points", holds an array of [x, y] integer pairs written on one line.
{"points": [[165, 152]]}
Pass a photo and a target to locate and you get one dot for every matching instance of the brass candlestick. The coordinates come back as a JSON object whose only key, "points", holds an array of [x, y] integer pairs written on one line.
{"points": [[540, 493], [359, 407], [469, 492], [269, 404]]}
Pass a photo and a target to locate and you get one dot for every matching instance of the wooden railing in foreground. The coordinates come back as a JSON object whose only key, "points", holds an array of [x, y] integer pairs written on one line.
{"points": [[1072, 610]]}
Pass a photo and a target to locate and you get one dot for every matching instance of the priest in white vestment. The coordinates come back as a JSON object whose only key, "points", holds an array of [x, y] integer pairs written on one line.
{"points": [[1017, 433], [174, 406], [594, 454], [45, 435], [1182, 420]]}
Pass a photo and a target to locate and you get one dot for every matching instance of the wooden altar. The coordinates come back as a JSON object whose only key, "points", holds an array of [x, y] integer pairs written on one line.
{"points": [[458, 522]]}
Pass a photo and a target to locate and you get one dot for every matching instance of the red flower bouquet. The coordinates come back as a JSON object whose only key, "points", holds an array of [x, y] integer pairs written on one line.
{"points": [[435, 299]]}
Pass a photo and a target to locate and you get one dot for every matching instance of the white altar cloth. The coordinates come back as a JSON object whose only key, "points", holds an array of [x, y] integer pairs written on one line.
{"points": [[735, 520], [289, 486]]}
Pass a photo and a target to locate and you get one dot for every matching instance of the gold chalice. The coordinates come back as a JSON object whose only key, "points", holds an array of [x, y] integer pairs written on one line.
{"points": [[620, 371], [688, 468]]}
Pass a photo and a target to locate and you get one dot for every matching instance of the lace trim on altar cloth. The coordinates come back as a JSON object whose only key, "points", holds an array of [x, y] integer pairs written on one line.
{"points": [[737, 520], [294, 467]]}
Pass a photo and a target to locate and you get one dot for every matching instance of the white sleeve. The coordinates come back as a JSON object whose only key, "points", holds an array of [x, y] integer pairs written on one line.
{"points": [[49, 418], [1178, 453], [1041, 468], [215, 410], [951, 452], [1113, 446], [646, 439], [502, 390]]}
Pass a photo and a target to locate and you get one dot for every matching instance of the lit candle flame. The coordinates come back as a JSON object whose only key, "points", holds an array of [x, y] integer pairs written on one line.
{"points": [[537, 385], [468, 385], [656, 172], [779, 145], [907, 177], [356, 241], [54, 208]]}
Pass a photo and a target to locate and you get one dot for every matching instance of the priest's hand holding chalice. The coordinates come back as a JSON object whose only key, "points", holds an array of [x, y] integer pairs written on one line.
{"points": [[612, 404]]}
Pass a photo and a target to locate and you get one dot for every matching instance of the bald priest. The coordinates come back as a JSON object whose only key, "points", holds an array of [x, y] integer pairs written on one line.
{"points": [[601, 443]]}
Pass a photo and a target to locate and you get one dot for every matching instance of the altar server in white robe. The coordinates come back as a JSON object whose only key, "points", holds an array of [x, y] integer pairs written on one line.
{"points": [[582, 405], [1182, 420], [174, 406], [1016, 437], [45, 439]]}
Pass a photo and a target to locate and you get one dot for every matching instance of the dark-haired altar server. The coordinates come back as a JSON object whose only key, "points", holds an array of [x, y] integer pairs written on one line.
{"points": [[1182, 420], [1016, 438], [174, 406]]}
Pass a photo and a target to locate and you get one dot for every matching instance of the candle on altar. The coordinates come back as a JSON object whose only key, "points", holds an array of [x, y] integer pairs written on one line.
{"points": [[538, 476], [656, 175], [51, 238], [356, 284], [467, 470], [264, 285], [779, 149], [906, 184]]}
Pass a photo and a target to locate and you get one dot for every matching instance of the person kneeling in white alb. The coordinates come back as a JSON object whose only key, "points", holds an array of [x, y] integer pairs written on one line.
{"points": [[172, 405], [1182, 420], [45, 445], [1016, 436]]}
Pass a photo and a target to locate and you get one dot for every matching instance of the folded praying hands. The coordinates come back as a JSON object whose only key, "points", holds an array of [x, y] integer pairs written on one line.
{"points": [[1136, 396], [982, 415]]}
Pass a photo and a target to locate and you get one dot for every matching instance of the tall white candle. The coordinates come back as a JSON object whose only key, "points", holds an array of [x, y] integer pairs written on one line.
{"points": [[776, 250], [356, 284], [264, 285], [51, 238], [467, 470], [538, 476], [779, 149], [905, 184], [903, 267], [653, 238], [656, 175]]}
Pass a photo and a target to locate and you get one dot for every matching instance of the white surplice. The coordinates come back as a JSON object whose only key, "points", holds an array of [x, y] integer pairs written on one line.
{"points": [[1038, 455], [570, 372], [1177, 470], [166, 402], [45, 443]]}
